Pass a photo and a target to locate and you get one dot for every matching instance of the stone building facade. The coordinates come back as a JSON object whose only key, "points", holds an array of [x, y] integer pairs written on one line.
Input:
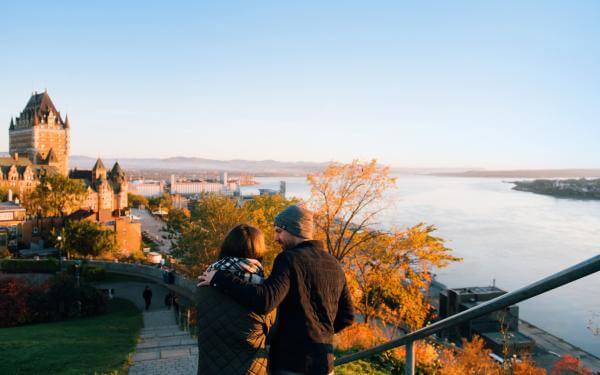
{"points": [[107, 190], [39, 146], [40, 134]]}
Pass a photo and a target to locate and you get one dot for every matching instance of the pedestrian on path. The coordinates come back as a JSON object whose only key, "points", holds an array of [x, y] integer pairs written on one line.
{"points": [[169, 300], [147, 297]]}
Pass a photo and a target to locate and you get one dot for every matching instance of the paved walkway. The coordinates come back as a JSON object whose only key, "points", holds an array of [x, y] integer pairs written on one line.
{"points": [[132, 290], [163, 348], [154, 227]]}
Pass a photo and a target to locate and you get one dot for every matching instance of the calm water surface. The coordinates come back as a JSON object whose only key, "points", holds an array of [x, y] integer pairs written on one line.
{"points": [[513, 237]]}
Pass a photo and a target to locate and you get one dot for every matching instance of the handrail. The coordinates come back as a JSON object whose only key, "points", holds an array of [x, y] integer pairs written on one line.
{"points": [[556, 280]]}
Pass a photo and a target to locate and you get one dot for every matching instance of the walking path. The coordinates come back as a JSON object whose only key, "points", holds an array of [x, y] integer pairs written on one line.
{"points": [[154, 227], [163, 348]]}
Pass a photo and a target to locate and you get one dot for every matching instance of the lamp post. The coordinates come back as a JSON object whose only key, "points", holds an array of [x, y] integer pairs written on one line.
{"points": [[59, 238], [77, 271]]}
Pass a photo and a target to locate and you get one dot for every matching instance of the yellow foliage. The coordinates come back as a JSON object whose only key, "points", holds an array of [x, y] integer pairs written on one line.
{"points": [[387, 271], [472, 359], [425, 353], [389, 277], [526, 367], [359, 336], [346, 200]]}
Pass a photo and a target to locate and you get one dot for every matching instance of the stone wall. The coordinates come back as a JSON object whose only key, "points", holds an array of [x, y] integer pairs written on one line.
{"points": [[181, 285]]}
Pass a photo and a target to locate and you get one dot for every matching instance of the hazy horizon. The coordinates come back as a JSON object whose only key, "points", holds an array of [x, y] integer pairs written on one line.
{"points": [[408, 167], [494, 85]]}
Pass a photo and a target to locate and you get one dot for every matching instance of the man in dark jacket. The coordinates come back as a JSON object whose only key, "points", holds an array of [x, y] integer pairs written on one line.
{"points": [[308, 286], [147, 297]]}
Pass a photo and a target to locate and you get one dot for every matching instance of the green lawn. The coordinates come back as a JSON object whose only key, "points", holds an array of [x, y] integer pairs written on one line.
{"points": [[95, 345]]}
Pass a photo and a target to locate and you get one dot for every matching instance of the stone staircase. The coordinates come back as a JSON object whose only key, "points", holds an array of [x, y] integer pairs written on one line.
{"points": [[163, 348]]}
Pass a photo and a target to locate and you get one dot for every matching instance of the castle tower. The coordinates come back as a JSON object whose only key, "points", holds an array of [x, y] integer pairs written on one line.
{"points": [[98, 171], [117, 176], [40, 134]]}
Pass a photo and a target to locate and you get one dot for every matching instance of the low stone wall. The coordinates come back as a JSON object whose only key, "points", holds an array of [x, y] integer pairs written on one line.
{"points": [[181, 284]]}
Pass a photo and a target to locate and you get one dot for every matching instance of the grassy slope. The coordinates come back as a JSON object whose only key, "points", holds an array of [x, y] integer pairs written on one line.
{"points": [[99, 344]]}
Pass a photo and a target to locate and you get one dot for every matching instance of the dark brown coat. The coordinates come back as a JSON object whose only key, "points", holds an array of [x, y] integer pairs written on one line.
{"points": [[231, 338]]}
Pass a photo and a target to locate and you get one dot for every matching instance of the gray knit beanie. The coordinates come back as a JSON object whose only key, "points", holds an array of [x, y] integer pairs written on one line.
{"points": [[296, 220]]}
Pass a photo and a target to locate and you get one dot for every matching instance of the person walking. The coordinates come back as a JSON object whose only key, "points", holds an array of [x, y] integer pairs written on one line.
{"points": [[147, 294], [169, 300], [232, 338], [308, 286], [176, 305]]}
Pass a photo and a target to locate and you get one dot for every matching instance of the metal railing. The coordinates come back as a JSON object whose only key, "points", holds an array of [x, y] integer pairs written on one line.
{"points": [[556, 280]]}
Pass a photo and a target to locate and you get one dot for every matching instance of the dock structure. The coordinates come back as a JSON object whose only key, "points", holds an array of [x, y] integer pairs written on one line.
{"points": [[546, 349]]}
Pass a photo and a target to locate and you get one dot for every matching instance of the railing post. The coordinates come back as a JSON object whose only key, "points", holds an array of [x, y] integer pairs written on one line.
{"points": [[409, 365]]}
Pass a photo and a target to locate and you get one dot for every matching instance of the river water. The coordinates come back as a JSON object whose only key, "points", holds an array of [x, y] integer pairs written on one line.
{"points": [[508, 236]]}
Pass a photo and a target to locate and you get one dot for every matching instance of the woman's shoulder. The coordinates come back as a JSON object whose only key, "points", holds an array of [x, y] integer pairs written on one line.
{"points": [[214, 301]]}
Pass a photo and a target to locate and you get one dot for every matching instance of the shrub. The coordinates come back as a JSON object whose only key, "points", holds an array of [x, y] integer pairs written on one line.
{"points": [[88, 272], [70, 301], [22, 302], [93, 301], [4, 253], [13, 302], [360, 367], [359, 336], [93, 273], [29, 266], [39, 306], [569, 365]]}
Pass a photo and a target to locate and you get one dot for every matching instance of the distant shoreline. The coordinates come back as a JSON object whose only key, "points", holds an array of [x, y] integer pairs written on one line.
{"points": [[583, 189], [525, 173]]}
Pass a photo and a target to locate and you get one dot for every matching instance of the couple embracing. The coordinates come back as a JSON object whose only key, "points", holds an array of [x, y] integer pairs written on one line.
{"points": [[297, 309]]}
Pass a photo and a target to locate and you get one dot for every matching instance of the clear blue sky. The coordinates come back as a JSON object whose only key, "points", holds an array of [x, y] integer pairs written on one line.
{"points": [[495, 84]]}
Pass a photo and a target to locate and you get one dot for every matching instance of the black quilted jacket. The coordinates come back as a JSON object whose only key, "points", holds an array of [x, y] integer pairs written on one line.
{"points": [[231, 338], [308, 287]]}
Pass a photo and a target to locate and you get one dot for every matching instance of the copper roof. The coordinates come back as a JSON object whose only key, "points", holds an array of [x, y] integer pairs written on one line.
{"points": [[41, 103], [99, 165], [38, 106]]}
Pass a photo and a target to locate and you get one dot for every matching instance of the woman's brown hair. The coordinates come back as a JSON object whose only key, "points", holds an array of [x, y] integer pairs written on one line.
{"points": [[244, 241]]}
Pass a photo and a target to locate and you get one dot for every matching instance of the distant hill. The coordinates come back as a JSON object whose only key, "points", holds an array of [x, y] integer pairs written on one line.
{"points": [[301, 168], [256, 167], [181, 163]]}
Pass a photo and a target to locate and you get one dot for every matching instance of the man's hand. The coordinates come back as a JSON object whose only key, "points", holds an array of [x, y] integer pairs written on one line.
{"points": [[206, 278]]}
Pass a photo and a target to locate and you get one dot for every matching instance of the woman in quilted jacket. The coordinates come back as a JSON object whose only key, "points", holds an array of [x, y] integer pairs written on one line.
{"points": [[231, 338]]}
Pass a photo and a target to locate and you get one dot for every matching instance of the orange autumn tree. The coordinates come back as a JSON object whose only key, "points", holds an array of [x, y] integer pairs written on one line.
{"points": [[569, 365], [389, 275], [347, 200], [472, 358], [388, 272]]}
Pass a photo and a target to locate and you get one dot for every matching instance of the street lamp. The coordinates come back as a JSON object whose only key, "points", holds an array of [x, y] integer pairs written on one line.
{"points": [[77, 271], [58, 239]]}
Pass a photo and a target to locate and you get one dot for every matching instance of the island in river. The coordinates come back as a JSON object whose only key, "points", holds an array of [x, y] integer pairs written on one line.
{"points": [[572, 188]]}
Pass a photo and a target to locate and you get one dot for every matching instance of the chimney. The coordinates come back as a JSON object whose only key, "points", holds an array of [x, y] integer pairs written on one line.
{"points": [[16, 156]]}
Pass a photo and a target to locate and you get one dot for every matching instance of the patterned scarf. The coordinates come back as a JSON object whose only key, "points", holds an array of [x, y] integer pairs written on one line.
{"points": [[251, 270]]}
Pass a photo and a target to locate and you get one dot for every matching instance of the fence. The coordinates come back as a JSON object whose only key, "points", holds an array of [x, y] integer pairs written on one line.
{"points": [[556, 280]]}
